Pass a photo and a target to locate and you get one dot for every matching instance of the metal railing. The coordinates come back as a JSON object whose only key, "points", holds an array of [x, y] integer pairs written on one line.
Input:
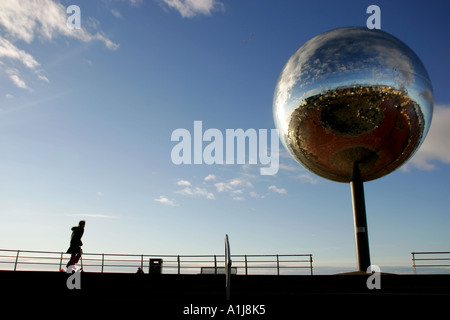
{"points": [[277, 264], [433, 260]]}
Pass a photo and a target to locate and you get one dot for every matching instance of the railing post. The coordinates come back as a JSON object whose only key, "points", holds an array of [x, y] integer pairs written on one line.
{"points": [[246, 271], [215, 264], [60, 261], [142, 262], [278, 266], [179, 265], [414, 262], [103, 261], [310, 263], [17, 259]]}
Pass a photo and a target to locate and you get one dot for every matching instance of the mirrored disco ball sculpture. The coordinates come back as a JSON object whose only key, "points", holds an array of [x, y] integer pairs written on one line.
{"points": [[353, 105], [353, 96]]}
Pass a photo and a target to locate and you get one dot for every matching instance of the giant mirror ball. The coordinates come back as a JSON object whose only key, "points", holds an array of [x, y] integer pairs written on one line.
{"points": [[353, 97]]}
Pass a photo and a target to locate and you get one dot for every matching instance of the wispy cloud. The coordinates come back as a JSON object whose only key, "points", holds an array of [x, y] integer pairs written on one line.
{"points": [[92, 215], [9, 50], [275, 189], [233, 185], [295, 170], [136, 3], [45, 19], [196, 191], [18, 82], [306, 178], [210, 177], [191, 8], [183, 183], [167, 201], [436, 147], [240, 188], [116, 13]]}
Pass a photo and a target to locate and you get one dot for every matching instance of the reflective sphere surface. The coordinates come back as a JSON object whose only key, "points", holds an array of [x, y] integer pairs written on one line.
{"points": [[353, 96]]}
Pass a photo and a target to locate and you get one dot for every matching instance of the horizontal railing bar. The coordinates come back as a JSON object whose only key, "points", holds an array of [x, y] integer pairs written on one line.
{"points": [[156, 256], [432, 259], [163, 255], [37, 257], [431, 252], [432, 265], [46, 263]]}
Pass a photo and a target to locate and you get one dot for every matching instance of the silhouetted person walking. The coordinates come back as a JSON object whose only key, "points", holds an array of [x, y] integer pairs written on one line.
{"points": [[76, 243]]}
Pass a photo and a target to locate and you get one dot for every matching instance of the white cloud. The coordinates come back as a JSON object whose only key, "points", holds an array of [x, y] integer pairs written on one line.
{"points": [[236, 187], [45, 19], [9, 50], [24, 20], [232, 185], [43, 78], [277, 190], [136, 3], [290, 167], [307, 178], [254, 194], [13, 75], [183, 183], [18, 82], [9, 96], [436, 147], [210, 177], [116, 13], [191, 8], [197, 191], [167, 201]]}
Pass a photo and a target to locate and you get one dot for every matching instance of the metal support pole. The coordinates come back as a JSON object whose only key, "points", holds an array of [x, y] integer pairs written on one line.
{"points": [[228, 264], [359, 217]]}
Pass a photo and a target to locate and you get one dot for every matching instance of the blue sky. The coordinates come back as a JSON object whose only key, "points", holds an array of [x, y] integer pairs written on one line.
{"points": [[86, 118]]}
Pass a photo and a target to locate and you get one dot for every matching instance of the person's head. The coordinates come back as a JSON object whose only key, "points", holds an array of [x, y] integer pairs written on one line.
{"points": [[81, 223]]}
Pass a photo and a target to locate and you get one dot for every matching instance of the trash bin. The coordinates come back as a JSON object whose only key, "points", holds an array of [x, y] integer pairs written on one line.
{"points": [[155, 266]]}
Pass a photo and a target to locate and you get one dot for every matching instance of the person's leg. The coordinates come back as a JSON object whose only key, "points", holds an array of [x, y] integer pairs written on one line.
{"points": [[73, 260], [77, 258]]}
